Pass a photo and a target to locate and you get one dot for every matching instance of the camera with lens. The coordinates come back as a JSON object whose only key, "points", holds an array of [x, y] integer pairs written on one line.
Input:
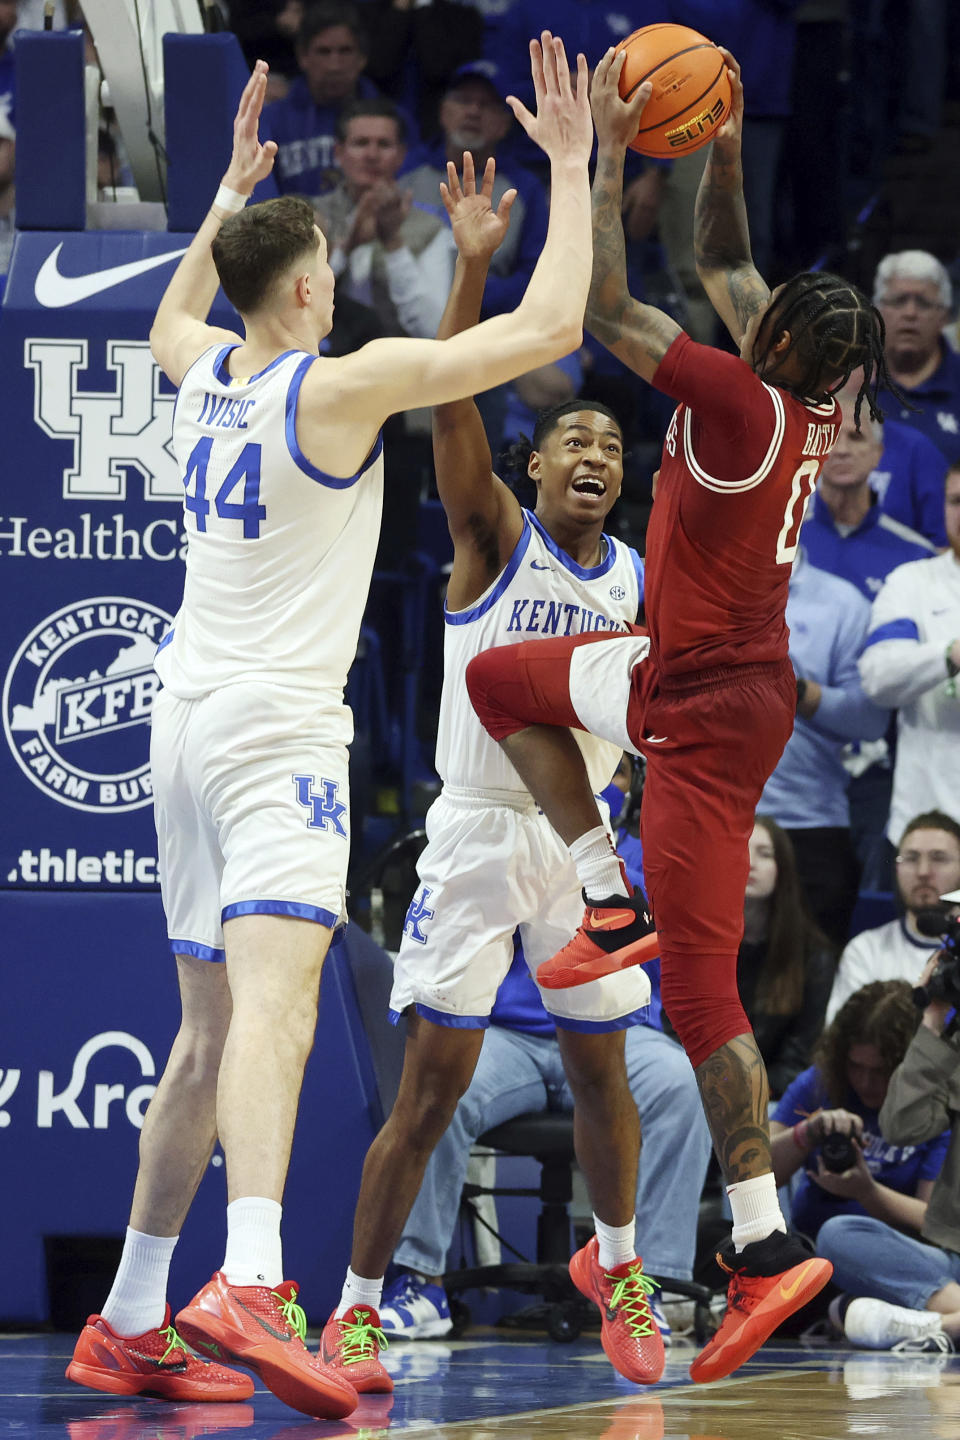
{"points": [[839, 1153], [938, 923]]}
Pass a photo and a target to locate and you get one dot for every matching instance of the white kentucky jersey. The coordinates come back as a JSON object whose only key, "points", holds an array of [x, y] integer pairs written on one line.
{"points": [[540, 592], [279, 553]]}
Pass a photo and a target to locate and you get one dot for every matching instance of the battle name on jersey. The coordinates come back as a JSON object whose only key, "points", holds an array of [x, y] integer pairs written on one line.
{"points": [[820, 439], [561, 618]]}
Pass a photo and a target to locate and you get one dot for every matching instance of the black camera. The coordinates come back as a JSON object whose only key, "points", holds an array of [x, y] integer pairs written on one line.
{"points": [[944, 984], [839, 1153]]}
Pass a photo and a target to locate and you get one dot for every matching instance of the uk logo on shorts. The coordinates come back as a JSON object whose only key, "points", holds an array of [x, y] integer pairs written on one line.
{"points": [[77, 702], [418, 913], [326, 811]]}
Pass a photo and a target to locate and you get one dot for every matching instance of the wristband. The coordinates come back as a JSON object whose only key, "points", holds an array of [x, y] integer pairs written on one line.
{"points": [[230, 200], [801, 690], [952, 672], [803, 1144]]}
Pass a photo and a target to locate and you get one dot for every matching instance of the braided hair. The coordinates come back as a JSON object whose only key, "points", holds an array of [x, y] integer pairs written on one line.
{"points": [[513, 459], [833, 330]]}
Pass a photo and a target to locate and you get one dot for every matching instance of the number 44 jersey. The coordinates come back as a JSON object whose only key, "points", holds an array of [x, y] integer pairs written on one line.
{"points": [[279, 553], [740, 461]]}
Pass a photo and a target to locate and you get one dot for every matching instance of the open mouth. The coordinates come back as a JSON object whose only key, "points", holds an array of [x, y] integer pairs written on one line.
{"points": [[586, 486]]}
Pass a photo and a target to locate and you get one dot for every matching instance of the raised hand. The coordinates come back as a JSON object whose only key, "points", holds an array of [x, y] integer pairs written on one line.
{"points": [[561, 126], [478, 229], [250, 161], [617, 120], [730, 130]]}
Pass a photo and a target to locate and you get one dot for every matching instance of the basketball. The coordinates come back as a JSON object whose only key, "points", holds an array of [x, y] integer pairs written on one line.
{"points": [[691, 88]]}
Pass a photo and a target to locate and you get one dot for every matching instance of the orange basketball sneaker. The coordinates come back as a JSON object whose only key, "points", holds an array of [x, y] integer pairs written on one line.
{"points": [[352, 1345], [264, 1329], [629, 1333], [154, 1363], [614, 934], [769, 1280]]}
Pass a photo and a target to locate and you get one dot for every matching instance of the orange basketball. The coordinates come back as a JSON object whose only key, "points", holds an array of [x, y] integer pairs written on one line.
{"points": [[691, 88]]}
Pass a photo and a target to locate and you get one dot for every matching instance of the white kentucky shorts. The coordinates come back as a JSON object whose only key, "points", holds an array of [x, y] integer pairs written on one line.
{"points": [[252, 810], [494, 864]]}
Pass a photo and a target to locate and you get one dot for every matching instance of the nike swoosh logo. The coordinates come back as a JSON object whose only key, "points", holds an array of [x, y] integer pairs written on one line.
{"points": [[655, 739], [609, 919], [788, 1291], [536, 565], [284, 1335], [53, 290]]}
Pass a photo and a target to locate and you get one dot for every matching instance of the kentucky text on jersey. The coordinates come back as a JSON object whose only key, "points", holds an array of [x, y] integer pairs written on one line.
{"points": [[549, 624], [223, 412]]}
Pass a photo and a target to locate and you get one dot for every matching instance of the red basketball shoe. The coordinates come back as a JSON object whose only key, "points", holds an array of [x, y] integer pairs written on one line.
{"points": [[154, 1363], [614, 934], [629, 1333], [264, 1329], [352, 1345], [769, 1280]]}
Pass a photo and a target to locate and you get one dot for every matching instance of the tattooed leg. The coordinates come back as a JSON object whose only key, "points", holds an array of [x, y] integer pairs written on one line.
{"points": [[735, 1094]]}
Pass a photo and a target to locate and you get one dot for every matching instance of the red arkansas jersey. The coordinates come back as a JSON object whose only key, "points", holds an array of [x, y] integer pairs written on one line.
{"points": [[740, 461]]}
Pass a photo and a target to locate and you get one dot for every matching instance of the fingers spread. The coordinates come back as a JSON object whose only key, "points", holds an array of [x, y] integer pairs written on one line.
{"points": [[506, 203], [489, 174]]}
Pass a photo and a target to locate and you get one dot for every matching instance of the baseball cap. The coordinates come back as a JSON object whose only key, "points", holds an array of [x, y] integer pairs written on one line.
{"points": [[478, 70]]}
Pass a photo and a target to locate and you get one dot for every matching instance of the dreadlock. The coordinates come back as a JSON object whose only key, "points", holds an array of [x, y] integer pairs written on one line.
{"points": [[513, 459], [833, 329]]}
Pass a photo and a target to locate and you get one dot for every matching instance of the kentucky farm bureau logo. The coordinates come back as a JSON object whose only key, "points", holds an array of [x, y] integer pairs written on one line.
{"points": [[77, 702]]}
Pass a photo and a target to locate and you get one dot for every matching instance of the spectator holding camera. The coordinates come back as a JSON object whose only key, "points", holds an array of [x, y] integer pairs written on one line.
{"points": [[828, 1125], [927, 865], [900, 1288]]}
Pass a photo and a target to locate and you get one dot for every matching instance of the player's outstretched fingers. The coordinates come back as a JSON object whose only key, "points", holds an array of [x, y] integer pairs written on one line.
{"points": [[563, 68], [548, 51], [469, 174], [536, 72], [489, 174]]}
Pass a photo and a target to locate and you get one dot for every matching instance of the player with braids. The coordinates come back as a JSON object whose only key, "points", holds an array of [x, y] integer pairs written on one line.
{"points": [[709, 698], [829, 320]]}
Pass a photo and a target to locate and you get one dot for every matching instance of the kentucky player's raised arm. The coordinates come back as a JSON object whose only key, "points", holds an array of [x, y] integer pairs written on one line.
{"points": [[483, 515], [179, 333], [639, 335], [390, 375], [721, 236]]}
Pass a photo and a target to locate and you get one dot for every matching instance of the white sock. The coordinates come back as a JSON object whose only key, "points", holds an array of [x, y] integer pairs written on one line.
{"points": [[616, 1244], [358, 1291], [137, 1302], [254, 1253], [598, 865], [756, 1209]]}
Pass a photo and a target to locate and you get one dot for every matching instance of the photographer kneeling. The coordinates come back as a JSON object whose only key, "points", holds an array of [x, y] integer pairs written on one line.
{"points": [[907, 1292], [827, 1125]]}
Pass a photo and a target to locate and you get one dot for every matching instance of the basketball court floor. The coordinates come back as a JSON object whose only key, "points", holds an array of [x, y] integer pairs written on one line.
{"points": [[497, 1388]]}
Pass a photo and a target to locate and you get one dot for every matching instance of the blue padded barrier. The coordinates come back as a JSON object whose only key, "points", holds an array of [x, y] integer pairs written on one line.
{"points": [[204, 76], [51, 145]]}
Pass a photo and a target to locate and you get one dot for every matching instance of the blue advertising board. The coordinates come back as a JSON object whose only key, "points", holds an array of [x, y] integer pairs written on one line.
{"points": [[91, 555]]}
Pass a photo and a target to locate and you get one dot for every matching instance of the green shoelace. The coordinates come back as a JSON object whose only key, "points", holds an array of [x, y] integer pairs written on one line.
{"points": [[173, 1342], [630, 1298], [360, 1339], [292, 1313]]}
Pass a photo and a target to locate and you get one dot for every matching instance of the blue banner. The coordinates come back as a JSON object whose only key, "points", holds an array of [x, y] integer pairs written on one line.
{"points": [[91, 555]]}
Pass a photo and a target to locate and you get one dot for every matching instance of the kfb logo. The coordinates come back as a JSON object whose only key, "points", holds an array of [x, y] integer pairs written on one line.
{"points": [[127, 429], [77, 703]]}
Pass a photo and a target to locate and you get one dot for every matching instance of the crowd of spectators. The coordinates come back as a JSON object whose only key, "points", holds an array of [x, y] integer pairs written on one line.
{"points": [[369, 102]]}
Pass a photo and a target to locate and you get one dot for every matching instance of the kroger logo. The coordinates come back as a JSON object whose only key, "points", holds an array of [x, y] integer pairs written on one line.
{"points": [[77, 702], [84, 1107]]}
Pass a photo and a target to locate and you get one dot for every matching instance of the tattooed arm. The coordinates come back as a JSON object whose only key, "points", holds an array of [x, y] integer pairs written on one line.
{"points": [[721, 236], [637, 334]]}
